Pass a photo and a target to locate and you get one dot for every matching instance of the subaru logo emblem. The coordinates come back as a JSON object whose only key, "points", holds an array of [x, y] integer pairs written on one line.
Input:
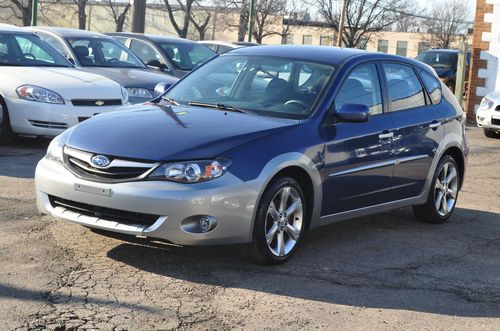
{"points": [[99, 103], [100, 161]]}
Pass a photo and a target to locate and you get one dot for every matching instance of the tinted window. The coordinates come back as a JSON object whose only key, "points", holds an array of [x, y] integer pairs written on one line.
{"points": [[439, 60], [433, 86], [362, 86], [405, 90], [186, 56], [145, 51]]}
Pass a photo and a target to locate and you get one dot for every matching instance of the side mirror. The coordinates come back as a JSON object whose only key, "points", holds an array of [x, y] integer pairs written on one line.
{"points": [[161, 88], [353, 113], [155, 64]]}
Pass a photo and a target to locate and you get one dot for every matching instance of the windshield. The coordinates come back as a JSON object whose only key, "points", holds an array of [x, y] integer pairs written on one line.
{"points": [[25, 50], [438, 60], [278, 87], [186, 56], [103, 52]]}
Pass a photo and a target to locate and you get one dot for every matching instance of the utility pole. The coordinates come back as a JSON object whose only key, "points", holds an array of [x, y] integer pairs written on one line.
{"points": [[250, 19], [461, 70], [341, 23], [34, 13], [138, 15]]}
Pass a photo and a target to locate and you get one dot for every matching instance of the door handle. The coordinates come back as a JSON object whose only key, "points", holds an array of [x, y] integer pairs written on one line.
{"points": [[435, 125], [386, 135]]}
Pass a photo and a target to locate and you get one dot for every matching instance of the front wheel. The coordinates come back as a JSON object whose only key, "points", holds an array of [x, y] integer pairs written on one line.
{"points": [[491, 134], [279, 223], [443, 194], [6, 134]]}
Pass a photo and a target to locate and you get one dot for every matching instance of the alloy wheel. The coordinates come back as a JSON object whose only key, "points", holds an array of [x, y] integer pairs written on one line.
{"points": [[284, 221], [446, 189]]}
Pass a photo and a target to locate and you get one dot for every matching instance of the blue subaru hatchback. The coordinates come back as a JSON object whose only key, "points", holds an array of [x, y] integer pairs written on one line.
{"points": [[260, 144]]}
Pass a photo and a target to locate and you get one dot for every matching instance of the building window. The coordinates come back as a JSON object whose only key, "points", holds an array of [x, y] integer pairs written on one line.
{"points": [[402, 48], [423, 46], [383, 46], [287, 39], [363, 43], [325, 40], [307, 39]]}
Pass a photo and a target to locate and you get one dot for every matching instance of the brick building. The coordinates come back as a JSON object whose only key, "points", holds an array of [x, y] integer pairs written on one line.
{"points": [[484, 75]]}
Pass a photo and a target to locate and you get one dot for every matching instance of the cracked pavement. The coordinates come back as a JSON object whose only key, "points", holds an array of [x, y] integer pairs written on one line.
{"points": [[385, 271]]}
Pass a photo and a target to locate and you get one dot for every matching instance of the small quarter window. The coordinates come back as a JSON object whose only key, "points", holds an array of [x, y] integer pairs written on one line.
{"points": [[433, 86], [405, 90]]}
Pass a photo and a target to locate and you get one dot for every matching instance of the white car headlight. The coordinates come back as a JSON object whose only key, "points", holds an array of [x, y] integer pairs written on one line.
{"points": [[486, 104], [135, 92], [191, 172], [55, 150], [39, 94], [125, 95]]}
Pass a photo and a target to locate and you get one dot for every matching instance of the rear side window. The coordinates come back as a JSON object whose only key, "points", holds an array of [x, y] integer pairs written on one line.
{"points": [[362, 87], [405, 90], [433, 87]]}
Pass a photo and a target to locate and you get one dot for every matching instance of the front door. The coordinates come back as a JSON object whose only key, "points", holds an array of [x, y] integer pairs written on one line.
{"points": [[359, 156]]}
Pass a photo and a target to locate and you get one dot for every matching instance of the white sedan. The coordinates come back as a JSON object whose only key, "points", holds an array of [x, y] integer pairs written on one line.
{"points": [[488, 115], [41, 94]]}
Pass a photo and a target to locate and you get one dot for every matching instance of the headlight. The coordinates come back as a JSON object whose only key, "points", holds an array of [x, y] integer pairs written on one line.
{"points": [[486, 104], [39, 94], [125, 95], [55, 150], [191, 172], [135, 92]]}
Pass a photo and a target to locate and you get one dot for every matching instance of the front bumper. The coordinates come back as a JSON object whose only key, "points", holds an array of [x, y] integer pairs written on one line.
{"points": [[229, 200], [488, 119], [43, 119]]}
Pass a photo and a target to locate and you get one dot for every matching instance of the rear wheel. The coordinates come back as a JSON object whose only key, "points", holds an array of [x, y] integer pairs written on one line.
{"points": [[491, 134], [443, 194], [279, 223], [6, 134]]}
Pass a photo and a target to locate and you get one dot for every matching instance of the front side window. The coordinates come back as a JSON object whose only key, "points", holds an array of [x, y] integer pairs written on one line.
{"points": [[186, 56], [104, 52], [362, 87], [52, 41], [405, 90], [28, 50], [145, 51], [277, 87], [433, 86]]}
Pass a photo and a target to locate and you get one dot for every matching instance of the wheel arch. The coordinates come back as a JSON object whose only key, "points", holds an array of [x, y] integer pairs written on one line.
{"points": [[458, 156]]}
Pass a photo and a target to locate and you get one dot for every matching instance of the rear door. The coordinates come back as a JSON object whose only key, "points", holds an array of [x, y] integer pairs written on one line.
{"points": [[418, 129], [359, 156]]}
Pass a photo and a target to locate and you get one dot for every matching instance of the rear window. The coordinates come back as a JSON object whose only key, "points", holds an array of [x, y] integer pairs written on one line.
{"points": [[433, 87]]}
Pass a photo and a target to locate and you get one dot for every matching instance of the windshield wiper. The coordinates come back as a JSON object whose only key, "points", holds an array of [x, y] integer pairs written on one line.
{"points": [[170, 100], [220, 106]]}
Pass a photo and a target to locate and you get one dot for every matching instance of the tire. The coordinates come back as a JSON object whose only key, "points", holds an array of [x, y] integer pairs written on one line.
{"points": [[491, 134], [287, 229], [6, 134], [441, 190]]}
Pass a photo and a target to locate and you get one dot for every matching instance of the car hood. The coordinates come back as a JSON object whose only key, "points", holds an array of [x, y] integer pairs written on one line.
{"points": [[130, 77], [69, 83], [161, 133]]}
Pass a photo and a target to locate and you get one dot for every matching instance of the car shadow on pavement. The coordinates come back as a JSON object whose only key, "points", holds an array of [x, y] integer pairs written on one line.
{"points": [[386, 261], [20, 158]]}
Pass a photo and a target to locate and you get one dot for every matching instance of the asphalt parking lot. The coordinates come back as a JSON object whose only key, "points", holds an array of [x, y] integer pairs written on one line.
{"points": [[381, 272]]}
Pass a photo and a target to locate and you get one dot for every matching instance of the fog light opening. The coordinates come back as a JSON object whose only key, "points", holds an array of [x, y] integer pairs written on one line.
{"points": [[205, 224]]}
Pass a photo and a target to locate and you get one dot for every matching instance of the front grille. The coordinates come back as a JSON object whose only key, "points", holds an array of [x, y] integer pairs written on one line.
{"points": [[108, 214], [119, 170], [494, 121], [96, 102], [49, 125]]}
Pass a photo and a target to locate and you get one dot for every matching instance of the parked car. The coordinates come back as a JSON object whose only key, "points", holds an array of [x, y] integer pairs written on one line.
{"points": [[488, 115], [444, 61], [221, 47], [100, 54], [176, 56], [41, 94], [258, 164]]}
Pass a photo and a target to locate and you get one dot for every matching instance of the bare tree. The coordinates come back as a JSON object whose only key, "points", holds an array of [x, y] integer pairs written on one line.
{"points": [[200, 18], [185, 7], [268, 18], [81, 7], [447, 21], [408, 20], [21, 9], [119, 10], [363, 19]]}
